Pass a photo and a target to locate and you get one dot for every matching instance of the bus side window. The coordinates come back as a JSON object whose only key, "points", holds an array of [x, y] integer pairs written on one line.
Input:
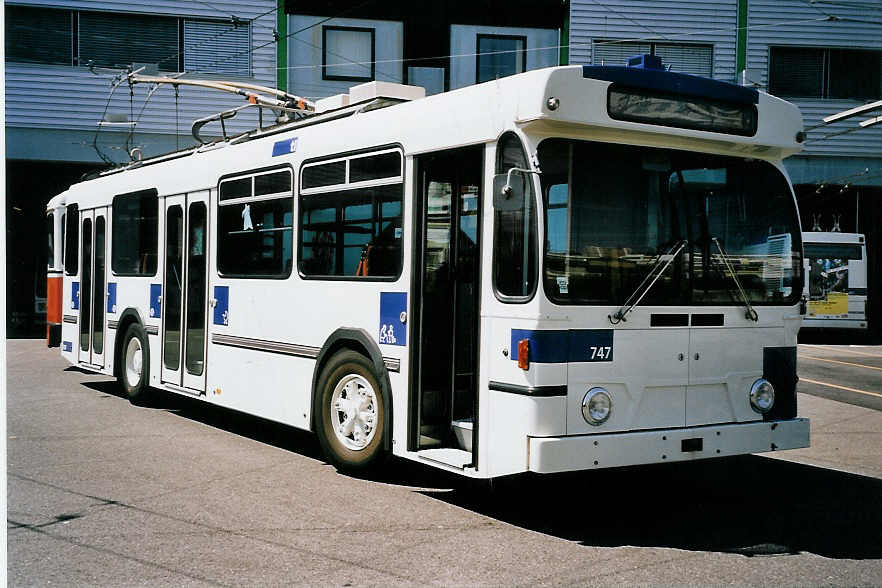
{"points": [[351, 216], [135, 233], [514, 231], [255, 225], [71, 259], [355, 233]]}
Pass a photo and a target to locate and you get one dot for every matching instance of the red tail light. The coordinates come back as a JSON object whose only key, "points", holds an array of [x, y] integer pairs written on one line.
{"points": [[524, 354]]}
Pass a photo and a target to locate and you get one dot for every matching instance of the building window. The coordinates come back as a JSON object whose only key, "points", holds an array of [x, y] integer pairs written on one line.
{"points": [[691, 59], [811, 72], [115, 40], [39, 35], [135, 234], [217, 47], [500, 56], [255, 224], [348, 54], [110, 39]]}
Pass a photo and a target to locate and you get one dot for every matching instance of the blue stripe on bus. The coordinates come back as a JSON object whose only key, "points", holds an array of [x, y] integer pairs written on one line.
{"points": [[562, 346], [75, 296], [666, 81]]}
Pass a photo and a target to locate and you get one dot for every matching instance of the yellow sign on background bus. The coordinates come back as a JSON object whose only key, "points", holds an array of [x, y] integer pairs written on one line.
{"points": [[835, 304]]}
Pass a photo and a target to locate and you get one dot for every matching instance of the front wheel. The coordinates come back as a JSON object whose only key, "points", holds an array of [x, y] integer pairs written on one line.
{"points": [[134, 369], [351, 414]]}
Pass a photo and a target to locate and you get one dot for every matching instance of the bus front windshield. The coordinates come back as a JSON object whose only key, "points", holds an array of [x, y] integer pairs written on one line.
{"points": [[615, 212]]}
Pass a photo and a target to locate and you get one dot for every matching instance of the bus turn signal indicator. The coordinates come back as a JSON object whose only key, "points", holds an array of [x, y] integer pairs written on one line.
{"points": [[524, 354]]}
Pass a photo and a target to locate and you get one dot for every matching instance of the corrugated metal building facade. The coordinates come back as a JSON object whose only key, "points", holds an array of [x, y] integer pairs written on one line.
{"points": [[54, 102], [52, 109]]}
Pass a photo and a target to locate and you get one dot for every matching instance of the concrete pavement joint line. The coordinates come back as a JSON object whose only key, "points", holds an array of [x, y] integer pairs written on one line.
{"points": [[124, 556], [232, 532], [802, 379], [869, 367], [877, 355]]}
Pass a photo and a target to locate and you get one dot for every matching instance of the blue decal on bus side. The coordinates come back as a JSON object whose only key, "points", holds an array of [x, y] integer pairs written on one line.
{"points": [[68, 346], [75, 296], [285, 147], [222, 305], [393, 318], [155, 302], [111, 297], [561, 346]]}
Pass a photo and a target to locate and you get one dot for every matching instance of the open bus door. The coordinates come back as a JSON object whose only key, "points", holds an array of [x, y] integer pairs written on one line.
{"points": [[446, 288]]}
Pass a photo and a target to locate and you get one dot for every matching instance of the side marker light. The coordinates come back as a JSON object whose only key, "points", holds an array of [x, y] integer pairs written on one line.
{"points": [[524, 354]]}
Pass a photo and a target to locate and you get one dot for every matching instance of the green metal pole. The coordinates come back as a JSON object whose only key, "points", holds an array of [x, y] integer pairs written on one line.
{"points": [[282, 47], [565, 38], [741, 39]]}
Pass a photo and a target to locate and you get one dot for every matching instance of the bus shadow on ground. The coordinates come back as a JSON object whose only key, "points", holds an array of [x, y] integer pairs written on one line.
{"points": [[244, 425], [748, 505]]}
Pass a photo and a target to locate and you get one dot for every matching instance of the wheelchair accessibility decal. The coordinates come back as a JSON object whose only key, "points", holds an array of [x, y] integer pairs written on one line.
{"points": [[393, 318]]}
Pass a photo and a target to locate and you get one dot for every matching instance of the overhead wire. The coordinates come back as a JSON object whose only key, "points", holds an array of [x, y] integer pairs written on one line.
{"points": [[291, 34], [654, 36], [560, 46], [619, 14]]}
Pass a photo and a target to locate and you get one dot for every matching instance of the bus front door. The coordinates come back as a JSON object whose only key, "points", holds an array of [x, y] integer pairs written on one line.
{"points": [[93, 286], [446, 286], [184, 288]]}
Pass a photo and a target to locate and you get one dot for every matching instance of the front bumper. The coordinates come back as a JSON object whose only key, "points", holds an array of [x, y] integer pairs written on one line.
{"points": [[585, 452]]}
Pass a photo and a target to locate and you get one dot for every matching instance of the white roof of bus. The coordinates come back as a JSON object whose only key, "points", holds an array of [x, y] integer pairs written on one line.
{"points": [[468, 116]]}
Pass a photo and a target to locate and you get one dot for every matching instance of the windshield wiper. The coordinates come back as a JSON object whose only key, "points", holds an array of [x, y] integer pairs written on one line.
{"points": [[750, 313], [654, 274]]}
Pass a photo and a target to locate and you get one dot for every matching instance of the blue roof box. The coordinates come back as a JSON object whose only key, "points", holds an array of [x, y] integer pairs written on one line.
{"points": [[646, 62], [647, 72]]}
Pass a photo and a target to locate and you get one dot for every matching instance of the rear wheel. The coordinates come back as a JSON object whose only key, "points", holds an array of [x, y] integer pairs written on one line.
{"points": [[134, 369], [351, 414]]}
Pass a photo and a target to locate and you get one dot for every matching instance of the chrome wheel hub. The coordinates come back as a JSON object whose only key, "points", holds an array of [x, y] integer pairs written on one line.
{"points": [[134, 358], [354, 412]]}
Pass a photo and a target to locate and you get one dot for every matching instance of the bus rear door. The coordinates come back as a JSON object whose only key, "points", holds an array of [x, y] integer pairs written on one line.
{"points": [[184, 288], [93, 286]]}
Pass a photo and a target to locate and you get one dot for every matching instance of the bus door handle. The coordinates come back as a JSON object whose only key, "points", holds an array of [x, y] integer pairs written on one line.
{"points": [[213, 302]]}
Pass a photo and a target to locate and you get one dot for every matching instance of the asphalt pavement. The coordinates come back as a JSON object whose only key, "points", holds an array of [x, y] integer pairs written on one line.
{"points": [[103, 493]]}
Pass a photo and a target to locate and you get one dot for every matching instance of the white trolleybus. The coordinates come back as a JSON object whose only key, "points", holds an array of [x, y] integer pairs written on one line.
{"points": [[835, 280], [567, 269]]}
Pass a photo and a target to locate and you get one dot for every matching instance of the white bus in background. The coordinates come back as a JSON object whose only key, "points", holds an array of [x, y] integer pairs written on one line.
{"points": [[567, 269], [835, 280]]}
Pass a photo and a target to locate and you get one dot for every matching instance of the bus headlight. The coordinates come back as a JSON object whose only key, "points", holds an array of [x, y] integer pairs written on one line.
{"points": [[762, 396], [596, 406]]}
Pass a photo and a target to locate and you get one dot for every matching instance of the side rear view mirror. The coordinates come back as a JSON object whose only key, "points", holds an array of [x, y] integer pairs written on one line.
{"points": [[509, 189]]}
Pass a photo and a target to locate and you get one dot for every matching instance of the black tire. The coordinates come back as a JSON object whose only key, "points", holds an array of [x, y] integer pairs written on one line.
{"points": [[135, 385], [350, 372]]}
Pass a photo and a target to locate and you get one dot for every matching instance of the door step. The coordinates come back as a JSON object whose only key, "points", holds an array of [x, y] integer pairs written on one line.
{"points": [[447, 456], [463, 431]]}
